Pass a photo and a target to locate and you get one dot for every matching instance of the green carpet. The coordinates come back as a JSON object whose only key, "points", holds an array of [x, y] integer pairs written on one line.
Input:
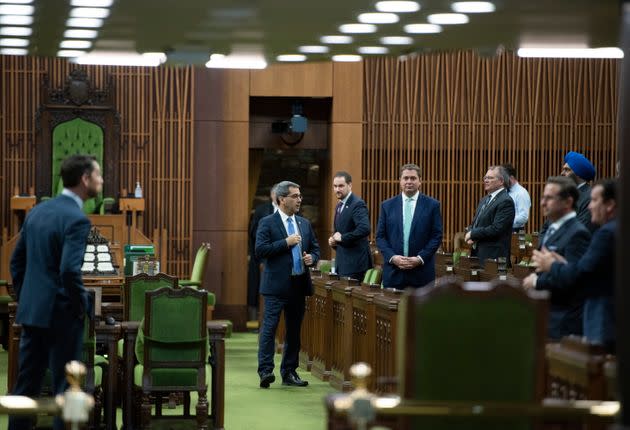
{"points": [[246, 405]]}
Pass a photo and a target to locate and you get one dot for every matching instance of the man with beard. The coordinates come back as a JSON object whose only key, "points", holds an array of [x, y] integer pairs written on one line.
{"points": [[46, 272], [351, 227], [287, 246], [577, 167], [409, 233]]}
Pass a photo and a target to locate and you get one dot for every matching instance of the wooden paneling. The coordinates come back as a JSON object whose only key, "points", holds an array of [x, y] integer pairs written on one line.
{"points": [[293, 80], [225, 95], [156, 146], [455, 114], [347, 92]]}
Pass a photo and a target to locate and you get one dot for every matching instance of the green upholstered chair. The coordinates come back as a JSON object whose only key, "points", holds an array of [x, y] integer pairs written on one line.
{"points": [[368, 276], [473, 342], [172, 351], [77, 136], [324, 266], [196, 277]]}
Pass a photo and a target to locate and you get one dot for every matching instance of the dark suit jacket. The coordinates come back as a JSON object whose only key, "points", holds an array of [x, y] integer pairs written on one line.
{"points": [[353, 252], [271, 247], [424, 240], [46, 263], [583, 214], [492, 228]]}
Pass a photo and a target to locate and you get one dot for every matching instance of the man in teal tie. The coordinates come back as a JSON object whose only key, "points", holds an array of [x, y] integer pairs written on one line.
{"points": [[409, 233]]}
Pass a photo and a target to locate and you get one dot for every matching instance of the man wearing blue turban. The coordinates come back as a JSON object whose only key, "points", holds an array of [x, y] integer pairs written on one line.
{"points": [[581, 170]]}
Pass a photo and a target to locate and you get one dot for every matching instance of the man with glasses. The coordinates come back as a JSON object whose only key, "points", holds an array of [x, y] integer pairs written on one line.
{"points": [[567, 236], [287, 246], [409, 233], [490, 233]]}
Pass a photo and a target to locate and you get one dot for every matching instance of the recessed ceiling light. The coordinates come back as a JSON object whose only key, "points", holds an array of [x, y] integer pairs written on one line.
{"points": [[17, 1], [89, 12], [396, 40], [69, 53], [13, 51], [373, 50], [92, 3], [291, 57], [117, 58], [80, 34], [447, 18], [236, 61], [16, 20], [84, 22], [75, 44], [570, 52], [346, 58], [397, 6], [336, 39], [16, 43], [357, 28], [313, 49], [15, 31], [473, 7], [16, 9], [422, 28], [378, 18]]}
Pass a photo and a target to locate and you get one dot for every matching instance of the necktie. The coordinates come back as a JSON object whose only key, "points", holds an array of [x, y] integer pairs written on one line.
{"points": [[483, 205], [337, 211], [295, 250], [408, 216], [548, 235]]}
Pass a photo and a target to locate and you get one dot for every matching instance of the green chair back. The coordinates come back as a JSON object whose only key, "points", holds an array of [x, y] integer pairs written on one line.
{"points": [[175, 335], [73, 137], [324, 266], [199, 266], [376, 276], [367, 278], [135, 289], [464, 344]]}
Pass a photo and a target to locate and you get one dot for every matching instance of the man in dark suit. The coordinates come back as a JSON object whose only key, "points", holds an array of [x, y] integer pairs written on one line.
{"points": [[594, 271], [46, 272], [569, 237], [287, 245], [490, 233], [581, 170], [253, 267], [409, 233], [352, 227]]}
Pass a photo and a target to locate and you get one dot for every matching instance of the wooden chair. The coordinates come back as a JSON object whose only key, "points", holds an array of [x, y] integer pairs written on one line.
{"points": [[133, 312], [466, 342], [172, 350]]}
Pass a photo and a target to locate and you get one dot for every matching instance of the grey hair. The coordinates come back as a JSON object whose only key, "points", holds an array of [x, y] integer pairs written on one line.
{"points": [[282, 188], [503, 175]]}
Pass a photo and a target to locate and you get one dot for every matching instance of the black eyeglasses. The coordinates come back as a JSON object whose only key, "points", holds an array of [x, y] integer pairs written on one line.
{"points": [[296, 196]]}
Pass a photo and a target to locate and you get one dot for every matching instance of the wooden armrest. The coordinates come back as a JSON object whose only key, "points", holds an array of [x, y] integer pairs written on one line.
{"points": [[217, 328]]}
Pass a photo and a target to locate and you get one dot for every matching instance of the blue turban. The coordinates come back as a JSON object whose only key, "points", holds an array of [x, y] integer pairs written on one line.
{"points": [[580, 165]]}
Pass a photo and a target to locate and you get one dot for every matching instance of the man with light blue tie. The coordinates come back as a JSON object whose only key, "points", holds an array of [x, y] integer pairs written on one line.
{"points": [[409, 233], [287, 246]]}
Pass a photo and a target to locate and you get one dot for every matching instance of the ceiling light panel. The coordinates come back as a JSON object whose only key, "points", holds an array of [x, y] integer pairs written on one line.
{"points": [[16, 20], [473, 7], [13, 51], [357, 28], [91, 3], [16, 9], [313, 49], [80, 34], [293, 58], [15, 31], [447, 18], [84, 22], [396, 40], [397, 6], [336, 40], [89, 12], [75, 44], [373, 50], [345, 58], [422, 28], [16, 1], [378, 18], [14, 43], [69, 53]]}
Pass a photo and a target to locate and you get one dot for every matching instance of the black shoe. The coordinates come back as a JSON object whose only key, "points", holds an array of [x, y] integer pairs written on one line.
{"points": [[294, 380], [266, 379]]}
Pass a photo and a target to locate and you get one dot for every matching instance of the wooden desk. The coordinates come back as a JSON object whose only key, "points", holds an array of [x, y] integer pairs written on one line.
{"points": [[20, 207]]}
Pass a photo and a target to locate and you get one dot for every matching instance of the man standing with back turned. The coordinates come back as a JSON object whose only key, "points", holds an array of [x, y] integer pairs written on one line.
{"points": [[352, 227], [409, 233], [46, 271], [287, 245]]}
